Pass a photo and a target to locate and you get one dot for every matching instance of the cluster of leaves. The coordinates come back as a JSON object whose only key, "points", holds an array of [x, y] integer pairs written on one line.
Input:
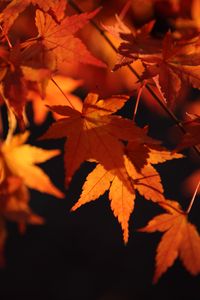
{"points": [[123, 152]]}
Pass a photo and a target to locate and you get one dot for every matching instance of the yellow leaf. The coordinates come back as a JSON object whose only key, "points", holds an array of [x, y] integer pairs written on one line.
{"points": [[21, 159]]}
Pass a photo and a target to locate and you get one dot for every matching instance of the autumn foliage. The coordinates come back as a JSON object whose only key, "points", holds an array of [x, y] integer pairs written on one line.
{"points": [[43, 68]]}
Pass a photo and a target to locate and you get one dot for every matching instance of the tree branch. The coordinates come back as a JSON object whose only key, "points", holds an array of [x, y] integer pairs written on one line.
{"points": [[150, 90]]}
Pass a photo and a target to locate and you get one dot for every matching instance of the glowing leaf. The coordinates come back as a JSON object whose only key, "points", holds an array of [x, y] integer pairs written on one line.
{"points": [[173, 63], [180, 239], [121, 198], [21, 159], [94, 134], [147, 183], [59, 39]]}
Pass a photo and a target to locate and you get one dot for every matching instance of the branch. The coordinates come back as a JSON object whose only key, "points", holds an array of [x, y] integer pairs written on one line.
{"points": [[164, 107], [193, 198], [60, 89]]}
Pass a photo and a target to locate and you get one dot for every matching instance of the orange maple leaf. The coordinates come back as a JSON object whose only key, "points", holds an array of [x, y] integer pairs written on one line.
{"points": [[20, 160], [180, 238], [173, 63], [57, 38], [147, 182], [176, 65], [143, 177], [94, 133], [121, 198], [134, 43]]}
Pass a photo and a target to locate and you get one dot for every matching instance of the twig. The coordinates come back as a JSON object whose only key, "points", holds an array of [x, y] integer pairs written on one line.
{"points": [[138, 100], [193, 198], [7, 38], [57, 85], [125, 9], [164, 107]]}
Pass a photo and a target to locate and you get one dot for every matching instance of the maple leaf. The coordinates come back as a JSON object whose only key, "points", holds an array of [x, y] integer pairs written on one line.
{"points": [[15, 7], [21, 158], [94, 133], [134, 43], [121, 198], [173, 63], [180, 239], [178, 64], [58, 38], [147, 182]]}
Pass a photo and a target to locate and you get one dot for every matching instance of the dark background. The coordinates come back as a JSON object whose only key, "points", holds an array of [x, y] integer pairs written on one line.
{"points": [[81, 255]]}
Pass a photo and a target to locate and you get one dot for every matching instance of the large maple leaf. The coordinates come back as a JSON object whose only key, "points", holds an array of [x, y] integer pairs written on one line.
{"points": [[57, 38], [20, 159], [121, 198], [95, 134], [146, 181], [180, 239]]}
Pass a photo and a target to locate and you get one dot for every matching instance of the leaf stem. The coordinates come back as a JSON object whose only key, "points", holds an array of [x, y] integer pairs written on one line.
{"points": [[125, 9], [7, 38], [160, 102], [193, 198], [57, 85], [138, 100]]}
